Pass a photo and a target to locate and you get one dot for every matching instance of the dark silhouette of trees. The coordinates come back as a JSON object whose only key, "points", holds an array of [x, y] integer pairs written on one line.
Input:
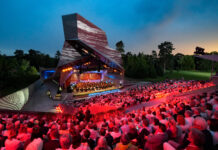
{"points": [[187, 63], [198, 61], [165, 53], [177, 61], [57, 56], [20, 70], [120, 47], [16, 74], [141, 66], [154, 54], [199, 51], [19, 54]]}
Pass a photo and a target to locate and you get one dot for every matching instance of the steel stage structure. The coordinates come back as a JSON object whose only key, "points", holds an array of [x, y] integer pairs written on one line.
{"points": [[87, 64]]}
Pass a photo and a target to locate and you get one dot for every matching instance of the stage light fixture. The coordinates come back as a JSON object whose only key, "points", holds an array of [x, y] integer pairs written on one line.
{"points": [[67, 69]]}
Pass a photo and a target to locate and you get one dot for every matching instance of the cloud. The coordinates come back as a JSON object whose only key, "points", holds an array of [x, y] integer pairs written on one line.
{"points": [[181, 22]]}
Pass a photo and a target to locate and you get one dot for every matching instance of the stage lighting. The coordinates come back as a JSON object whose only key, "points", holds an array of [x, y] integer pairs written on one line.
{"points": [[67, 69]]}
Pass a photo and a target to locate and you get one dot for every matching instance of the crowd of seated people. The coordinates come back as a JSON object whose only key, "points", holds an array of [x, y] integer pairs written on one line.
{"points": [[91, 86], [186, 123], [142, 93]]}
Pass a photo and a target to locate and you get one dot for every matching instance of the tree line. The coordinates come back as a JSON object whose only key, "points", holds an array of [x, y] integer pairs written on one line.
{"points": [[155, 64], [20, 70]]}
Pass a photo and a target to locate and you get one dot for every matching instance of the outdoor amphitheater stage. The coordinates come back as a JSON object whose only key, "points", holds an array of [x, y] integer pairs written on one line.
{"points": [[87, 64]]}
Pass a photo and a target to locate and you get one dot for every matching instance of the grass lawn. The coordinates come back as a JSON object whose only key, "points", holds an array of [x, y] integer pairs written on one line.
{"points": [[187, 75]]}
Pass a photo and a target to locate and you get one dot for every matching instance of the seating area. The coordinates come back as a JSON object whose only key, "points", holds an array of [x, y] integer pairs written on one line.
{"points": [[186, 122], [143, 93]]}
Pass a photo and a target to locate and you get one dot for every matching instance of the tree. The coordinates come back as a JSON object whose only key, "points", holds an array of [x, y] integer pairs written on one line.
{"points": [[19, 54], [214, 53], [165, 52], [34, 58], [32, 71], [198, 61], [177, 61], [154, 54], [57, 55], [199, 51], [120, 47], [24, 66], [187, 63]]}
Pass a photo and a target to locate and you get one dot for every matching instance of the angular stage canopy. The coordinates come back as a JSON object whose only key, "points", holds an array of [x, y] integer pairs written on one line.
{"points": [[208, 57], [82, 34], [86, 54]]}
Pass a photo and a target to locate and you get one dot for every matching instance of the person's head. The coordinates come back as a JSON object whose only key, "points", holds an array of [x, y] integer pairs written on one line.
{"points": [[72, 130], [1, 127], [124, 139], [196, 137], [102, 132], [209, 106], [162, 127], [30, 124], [156, 121], [54, 126], [65, 141], [9, 126], [36, 133], [213, 124], [116, 129], [12, 134], [102, 143], [196, 111], [54, 134], [41, 123], [215, 114], [133, 133], [86, 134], [200, 123], [63, 126], [17, 124], [22, 129], [171, 122], [180, 120], [76, 140], [125, 121], [188, 113], [146, 122]]}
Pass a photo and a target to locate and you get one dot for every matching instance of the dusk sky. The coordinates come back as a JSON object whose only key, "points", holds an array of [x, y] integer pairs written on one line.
{"points": [[141, 24]]}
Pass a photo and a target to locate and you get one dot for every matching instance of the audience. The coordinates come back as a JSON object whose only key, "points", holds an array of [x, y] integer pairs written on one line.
{"points": [[65, 142], [53, 143], [197, 140], [187, 122], [12, 143]]}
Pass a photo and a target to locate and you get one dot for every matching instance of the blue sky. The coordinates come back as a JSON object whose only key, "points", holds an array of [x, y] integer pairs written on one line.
{"points": [[141, 24]]}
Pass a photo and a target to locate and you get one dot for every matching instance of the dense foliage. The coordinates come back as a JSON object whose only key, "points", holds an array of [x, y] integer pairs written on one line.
{"points": [[20, 70], [141, 65], [151, 66]]}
